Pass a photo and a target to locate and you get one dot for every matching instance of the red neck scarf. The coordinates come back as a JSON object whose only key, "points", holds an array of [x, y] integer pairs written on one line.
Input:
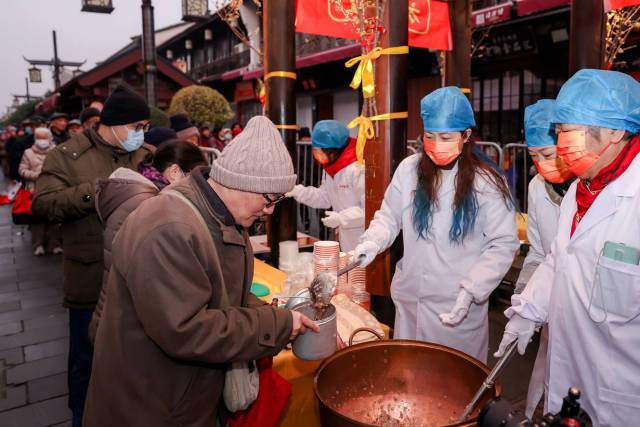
{"points": [[586, 194], [347, 157]]}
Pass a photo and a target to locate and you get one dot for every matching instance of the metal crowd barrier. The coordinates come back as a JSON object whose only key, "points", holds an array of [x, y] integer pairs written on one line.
{"points": [[512, 158]]}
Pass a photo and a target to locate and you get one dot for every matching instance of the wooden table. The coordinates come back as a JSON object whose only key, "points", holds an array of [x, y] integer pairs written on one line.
{"points": [[302, 408], [521, 221]]}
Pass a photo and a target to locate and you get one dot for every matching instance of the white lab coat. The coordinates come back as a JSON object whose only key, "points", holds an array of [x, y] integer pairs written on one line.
{"points": [[429, 276], [542, 226], [344, 190], [595, 348]]}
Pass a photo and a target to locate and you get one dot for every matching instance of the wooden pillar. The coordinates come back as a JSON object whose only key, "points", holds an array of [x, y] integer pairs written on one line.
{"points": [[383, 154], [457, 63], [586, 35], [280, 56]]}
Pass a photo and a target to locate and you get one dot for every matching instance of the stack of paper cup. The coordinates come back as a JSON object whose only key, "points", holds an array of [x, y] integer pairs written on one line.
{"points": [[288, 255], [343, 282], [357, 286], [326, 255]]}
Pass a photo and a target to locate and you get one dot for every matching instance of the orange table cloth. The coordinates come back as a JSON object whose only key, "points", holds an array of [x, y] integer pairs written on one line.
{"points": [[302, 408]]}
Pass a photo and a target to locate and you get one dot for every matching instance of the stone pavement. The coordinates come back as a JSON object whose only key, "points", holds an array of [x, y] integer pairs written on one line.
{"points": [[34, 336], [33, 333]]}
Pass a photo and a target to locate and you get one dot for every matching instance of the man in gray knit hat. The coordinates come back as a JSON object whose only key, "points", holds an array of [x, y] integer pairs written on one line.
{"points": [[178, 309]]}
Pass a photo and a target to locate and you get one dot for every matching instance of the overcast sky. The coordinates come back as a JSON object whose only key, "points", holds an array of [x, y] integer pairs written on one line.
{"points": [[26, 30]]}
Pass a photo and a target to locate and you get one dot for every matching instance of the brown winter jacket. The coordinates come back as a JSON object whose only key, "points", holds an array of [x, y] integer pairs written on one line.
{"points": [[31, 165], [65, 193], [116, 198], [164, 344]]}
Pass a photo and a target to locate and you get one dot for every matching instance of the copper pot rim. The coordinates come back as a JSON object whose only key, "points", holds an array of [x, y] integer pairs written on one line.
{"points": [[400, 343]]}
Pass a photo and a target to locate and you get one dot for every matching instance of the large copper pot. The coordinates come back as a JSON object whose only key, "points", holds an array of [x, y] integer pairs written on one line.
{"points": [[399, 383]]}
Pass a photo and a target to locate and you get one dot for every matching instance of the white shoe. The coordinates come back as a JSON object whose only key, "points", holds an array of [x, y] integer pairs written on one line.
{"points": [[39, 251], [57, 250]]}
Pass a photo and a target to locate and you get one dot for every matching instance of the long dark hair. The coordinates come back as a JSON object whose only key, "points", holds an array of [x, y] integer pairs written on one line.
{"points": [[175, 151], [465, 202]]}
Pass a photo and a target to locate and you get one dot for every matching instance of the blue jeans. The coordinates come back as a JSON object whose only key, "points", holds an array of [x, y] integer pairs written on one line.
{"points": [[80, 356]]}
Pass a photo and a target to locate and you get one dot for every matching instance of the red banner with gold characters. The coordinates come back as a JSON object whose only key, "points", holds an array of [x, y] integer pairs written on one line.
{"points": [[618, 4], [429, 25]]}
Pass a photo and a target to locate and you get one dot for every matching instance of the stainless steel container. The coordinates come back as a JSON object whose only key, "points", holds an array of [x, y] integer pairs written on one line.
{"points": [[317, 345]]}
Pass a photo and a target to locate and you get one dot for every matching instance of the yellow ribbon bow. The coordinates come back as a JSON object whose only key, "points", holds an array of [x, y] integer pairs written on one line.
{"points": [[364, 72], [367, 131]]}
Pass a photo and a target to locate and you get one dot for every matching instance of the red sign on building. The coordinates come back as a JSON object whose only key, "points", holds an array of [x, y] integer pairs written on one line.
{"points": [[527, 7], [491, 15]]}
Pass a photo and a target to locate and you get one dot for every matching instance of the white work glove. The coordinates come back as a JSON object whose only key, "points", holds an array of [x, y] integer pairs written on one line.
{"points": [[295, 192], [459, 310], [367, 250], [518, 328], [332, 219]]}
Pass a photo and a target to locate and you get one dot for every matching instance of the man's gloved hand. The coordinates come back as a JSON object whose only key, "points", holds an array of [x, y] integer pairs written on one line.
{"points": [[367, 250], [295, 191], [332, 219], [518, 328], [459, 310]]}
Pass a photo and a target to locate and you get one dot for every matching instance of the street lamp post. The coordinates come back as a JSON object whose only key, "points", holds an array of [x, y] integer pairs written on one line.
{"points": [[149, 52], [147, 41], [56, 63]]}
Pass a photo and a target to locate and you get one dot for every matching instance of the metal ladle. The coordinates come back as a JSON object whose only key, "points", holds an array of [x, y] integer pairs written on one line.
{"points": [[490, 381], [323, 286]]}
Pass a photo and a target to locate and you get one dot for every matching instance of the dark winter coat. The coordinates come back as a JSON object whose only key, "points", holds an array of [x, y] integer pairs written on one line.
{"points": [[65, 193], [164, 343]]}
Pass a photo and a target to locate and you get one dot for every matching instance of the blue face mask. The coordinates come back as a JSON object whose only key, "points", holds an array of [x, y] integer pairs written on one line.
{"points": [[135, 139], [28, 131]]}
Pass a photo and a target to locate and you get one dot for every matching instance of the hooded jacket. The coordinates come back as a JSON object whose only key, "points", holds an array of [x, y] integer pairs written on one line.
{"points": [[116, 198]]}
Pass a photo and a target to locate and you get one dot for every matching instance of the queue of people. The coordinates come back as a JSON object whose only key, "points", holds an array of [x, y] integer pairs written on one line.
{"points": [[158, 263]]}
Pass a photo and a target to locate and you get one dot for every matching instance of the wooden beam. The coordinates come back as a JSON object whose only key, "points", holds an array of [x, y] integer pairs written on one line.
{"points": [[279, 65], [586, 35], [383, 154]]}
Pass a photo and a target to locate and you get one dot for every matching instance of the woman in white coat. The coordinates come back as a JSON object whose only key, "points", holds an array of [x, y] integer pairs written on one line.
{"points": [[459, 231], [342, 187], [546, 191], [587, 293]]}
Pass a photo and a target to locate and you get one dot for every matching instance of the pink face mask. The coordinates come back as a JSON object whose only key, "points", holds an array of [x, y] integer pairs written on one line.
{"points": [[554, 171], [320, 156], [441, 152], [572, 149]]}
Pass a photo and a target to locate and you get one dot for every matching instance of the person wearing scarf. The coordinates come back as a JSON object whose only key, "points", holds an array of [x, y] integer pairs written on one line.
{"points": [[588, 288]]}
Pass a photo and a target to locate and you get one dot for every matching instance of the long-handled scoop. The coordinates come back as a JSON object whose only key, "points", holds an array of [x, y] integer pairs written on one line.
{"points": [[490, 381], [324, 284]]}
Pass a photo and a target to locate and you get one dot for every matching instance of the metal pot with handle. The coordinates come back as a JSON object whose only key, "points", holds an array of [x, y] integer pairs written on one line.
{"points": [[395, 383]]}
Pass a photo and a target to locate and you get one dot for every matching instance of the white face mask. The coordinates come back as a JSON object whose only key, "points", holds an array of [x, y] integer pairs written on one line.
{"points": [[42, 143]]}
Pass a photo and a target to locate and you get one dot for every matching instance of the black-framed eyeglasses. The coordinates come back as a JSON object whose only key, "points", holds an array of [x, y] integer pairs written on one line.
{"points": [[142, 127], [270, 201]]}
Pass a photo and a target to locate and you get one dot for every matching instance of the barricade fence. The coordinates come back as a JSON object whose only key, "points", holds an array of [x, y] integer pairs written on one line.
{"points": [[512, 158]]}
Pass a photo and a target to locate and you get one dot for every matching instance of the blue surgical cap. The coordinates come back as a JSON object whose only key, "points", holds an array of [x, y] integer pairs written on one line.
{"points": [[329, 134], [538, 129], [606, 99], [446, 110]]}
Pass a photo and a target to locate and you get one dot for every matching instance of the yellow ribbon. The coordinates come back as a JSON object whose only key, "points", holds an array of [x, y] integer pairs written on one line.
{"points": [[289, 127], [367, 131], [286, 74], [364, 72]]}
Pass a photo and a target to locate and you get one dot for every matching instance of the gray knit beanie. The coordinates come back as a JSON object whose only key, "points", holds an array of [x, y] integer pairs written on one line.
{"points": [[256, 160]]}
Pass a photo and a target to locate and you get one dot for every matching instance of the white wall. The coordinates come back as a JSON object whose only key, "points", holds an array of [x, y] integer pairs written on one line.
{"points": [[345, 107], [304, 111]]}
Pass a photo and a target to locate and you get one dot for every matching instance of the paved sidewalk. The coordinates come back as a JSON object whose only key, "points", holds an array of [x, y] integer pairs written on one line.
{"points": [[34, 336], [33, 333]]}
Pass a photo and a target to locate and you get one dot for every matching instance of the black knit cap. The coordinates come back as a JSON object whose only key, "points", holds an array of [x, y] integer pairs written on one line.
{"points": [[180, 122], [158, 135], [88, 113], [123, 107]]}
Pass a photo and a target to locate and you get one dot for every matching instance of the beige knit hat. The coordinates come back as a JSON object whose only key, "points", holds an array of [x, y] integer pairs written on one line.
{"points": [[256, 160]]}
